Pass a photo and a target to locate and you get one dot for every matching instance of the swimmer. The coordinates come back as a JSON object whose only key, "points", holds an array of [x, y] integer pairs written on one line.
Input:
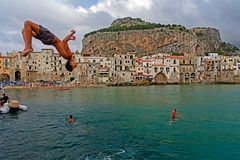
{"points": [[41, 33], [71, 119], [173, 114]]}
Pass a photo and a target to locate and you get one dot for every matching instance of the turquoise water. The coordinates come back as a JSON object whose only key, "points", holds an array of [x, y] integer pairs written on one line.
{"points": [[124, 123]]}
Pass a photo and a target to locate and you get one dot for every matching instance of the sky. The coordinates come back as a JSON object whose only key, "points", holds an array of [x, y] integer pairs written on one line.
{"points": [[61, 16]]}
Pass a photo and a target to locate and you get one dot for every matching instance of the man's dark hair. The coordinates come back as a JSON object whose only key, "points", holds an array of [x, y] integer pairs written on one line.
{"points": [[68, 66]]}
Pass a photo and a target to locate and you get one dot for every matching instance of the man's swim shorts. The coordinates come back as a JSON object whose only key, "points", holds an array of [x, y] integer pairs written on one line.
{"points": [[45, 36]]}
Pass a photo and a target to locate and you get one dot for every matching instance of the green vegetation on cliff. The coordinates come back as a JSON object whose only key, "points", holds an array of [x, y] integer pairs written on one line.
{"points": [[226, 48], [117, 28], [177, 54]]}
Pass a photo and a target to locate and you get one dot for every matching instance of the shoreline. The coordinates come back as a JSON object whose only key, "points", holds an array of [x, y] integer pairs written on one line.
{"points": [[53, 87], [57, 87]]}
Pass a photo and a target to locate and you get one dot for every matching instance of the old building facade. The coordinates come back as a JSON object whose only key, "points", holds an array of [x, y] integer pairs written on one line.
{"points": [[160, 68]]}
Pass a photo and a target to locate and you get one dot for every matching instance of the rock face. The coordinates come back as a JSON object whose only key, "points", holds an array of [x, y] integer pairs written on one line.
{"points": [[167, 39]]}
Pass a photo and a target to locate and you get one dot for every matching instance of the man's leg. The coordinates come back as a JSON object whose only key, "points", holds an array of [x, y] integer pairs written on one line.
{"points": [[65, 41], [30, 29]]}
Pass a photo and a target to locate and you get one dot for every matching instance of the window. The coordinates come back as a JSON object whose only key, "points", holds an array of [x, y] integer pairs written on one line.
{"points": [[161, 69], [174, 61], [167, 69]]}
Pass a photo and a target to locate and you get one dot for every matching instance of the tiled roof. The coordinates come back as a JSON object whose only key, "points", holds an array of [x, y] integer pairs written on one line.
{"points": [[142, 60]]}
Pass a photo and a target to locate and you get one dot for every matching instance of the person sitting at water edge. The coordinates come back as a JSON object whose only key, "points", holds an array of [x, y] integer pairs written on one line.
{"points": [[4, 99], [37, 31], [173, 114], [71, 119]]}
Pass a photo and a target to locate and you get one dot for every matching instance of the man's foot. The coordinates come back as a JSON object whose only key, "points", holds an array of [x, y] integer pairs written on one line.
{"points": [[73, 31], [26, 51], [72, 38]]}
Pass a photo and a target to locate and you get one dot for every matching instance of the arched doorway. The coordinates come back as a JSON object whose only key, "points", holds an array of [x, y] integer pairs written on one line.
{"points": [[17, 76], [4, 77], [193, 76], [127, 68], [160, 78]]}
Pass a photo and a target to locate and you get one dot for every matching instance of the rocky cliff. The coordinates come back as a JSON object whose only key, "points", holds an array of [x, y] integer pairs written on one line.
{"points": [[134, 34]]}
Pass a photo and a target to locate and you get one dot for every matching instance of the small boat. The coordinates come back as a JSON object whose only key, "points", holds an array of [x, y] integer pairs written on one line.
{"points": [[6, 108]]}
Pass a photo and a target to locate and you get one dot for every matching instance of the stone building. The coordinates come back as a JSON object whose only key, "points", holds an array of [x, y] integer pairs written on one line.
{"points": [[5, 71], [94, 69], [228, 70], [159, 68], [187, 70], [123, 67], [37, 66]]}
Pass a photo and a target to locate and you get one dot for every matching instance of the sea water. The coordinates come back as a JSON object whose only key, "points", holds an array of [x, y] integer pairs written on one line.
{"points": [[124, 123]]}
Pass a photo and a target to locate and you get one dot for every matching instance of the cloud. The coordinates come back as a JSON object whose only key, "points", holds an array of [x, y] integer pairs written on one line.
{"points": [[60, 16]]}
